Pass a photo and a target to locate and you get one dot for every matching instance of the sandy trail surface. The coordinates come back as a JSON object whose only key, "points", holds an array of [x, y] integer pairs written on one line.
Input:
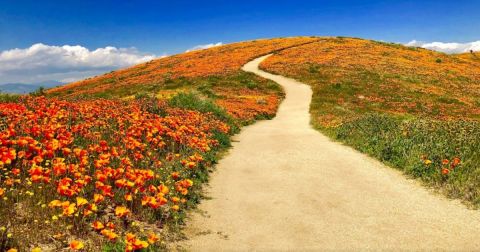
{"points": [[285, 186]]}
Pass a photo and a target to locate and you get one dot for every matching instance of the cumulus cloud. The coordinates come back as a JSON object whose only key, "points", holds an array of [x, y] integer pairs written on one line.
{"points": [[447, 47], [64, 63], [200, 47]]}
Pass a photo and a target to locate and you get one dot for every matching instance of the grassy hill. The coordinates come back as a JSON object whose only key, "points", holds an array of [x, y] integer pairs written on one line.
{"points": [[412, 108], [426, 104], [115, 161]]}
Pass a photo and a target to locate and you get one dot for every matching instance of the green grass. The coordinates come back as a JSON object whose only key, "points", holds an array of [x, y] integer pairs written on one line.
{"points": [[5, 98], [192, 101], [396, 104], [402, 143], [205, 85]]}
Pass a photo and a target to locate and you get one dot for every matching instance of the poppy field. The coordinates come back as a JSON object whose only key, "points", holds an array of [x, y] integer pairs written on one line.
{"points": [[93, 174], [114, 162], [114, 165], [411, 108], [109, 169], [186, 69]]}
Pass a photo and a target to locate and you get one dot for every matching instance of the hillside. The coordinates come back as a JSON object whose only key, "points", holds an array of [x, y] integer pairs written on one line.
{"points": [[358, 75], [351, 77], [213, 72], [359, 87], [471, 56], [412, 108], [187, 67], [422, 101], [115, 162]]}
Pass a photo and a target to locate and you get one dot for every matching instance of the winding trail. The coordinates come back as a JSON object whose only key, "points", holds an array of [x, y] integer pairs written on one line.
{"points": [[285, 186]]}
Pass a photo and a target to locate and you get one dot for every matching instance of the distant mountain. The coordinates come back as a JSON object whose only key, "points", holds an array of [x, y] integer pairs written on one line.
{"points": [[24, 88]]}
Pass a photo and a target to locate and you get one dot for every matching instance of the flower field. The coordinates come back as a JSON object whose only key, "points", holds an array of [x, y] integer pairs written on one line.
{"points": [[412, 108], [351, 77], [112, 163], [99, 168], [213, 73], [186, 67]]}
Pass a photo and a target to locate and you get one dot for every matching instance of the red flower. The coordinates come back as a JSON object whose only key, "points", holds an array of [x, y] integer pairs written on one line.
{"points": [[445, 171]]}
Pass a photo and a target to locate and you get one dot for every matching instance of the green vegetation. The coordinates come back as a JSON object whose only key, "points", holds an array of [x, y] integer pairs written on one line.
{"points": [[410, 145], [192, 101], [405, 106], [9, 97]]}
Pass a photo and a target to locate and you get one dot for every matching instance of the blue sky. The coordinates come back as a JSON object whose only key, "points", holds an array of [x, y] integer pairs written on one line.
{"points": [[167, 27]]}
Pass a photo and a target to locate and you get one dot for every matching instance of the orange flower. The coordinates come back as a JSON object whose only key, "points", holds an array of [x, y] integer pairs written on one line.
{"points": [[121, 211], [445, 171], [175, 175], [76, 245], [163, 189], [66, 151], [455, 162], [15, 171], [445, 161], [128, 197], [175, 200], [110, 225], [90, 209], [81, 201], [97, 225], [97, 198], [55, 203], [112, 236], [191, 165], [102, 152], [132, 243], [152, 238], [69, 209]]}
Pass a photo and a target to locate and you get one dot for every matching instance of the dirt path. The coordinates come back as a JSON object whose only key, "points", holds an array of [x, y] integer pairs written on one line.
{"points": [[285, 186]]}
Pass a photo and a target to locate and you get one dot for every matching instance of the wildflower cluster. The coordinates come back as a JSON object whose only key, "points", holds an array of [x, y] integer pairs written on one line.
{"points": [[248, 105], [99, 165], [444, 167]]}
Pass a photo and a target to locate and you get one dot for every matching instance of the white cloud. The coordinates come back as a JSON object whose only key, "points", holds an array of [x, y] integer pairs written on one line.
{"points": [[44, 62], [206, 46], [447, 47]]}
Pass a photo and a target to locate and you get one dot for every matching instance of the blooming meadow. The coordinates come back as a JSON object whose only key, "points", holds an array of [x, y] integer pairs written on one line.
{"points": [[113, 162], [75, 168], [185, 68], [411, 108]]}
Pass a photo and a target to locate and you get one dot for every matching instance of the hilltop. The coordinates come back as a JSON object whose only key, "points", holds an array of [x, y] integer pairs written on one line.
{"points": [[213, 73], [358, 76], [351, 77]]}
